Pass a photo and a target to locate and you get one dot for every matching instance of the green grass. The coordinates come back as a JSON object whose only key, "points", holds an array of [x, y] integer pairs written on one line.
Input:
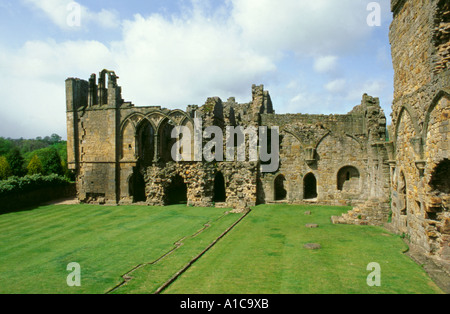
{"points": [[150, 277], [265, 254], [36, 246]]}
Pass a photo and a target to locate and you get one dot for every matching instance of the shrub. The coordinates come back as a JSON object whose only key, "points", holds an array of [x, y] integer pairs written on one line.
{"points": [[16, 162], [35, 166], [5, 169], [15, 185], [52, 164]]}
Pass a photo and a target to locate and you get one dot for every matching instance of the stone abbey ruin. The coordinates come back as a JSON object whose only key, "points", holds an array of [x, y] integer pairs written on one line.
{"points": [[397, 175]]}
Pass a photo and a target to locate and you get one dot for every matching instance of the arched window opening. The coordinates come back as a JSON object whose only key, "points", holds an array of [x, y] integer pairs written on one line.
{"points": [[219, 188], [146, 143], [280, 191], [348, 179], [166, 141], [309, 187]]}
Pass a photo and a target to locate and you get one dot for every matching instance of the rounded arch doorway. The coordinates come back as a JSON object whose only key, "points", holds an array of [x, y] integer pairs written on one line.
{"points": [[280, 192], [310, 187]]}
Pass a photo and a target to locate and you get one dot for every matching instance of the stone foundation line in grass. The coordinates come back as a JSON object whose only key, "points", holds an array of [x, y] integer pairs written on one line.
{"points": [[185, 268], [127, 276]]}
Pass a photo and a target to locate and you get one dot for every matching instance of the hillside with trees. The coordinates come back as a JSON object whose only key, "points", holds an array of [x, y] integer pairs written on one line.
{"points": [[42, 156]]}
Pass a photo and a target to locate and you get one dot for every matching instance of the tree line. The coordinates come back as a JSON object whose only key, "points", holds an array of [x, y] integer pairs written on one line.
{"points": [[45, 156]]}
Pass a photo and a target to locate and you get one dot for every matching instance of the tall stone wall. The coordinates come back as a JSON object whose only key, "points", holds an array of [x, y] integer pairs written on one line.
{"points": [[318, 145], [122, 153], [419, 37], [92, 117]]}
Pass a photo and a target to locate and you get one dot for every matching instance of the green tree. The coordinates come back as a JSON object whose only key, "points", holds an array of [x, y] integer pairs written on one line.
{"points": [[16, 162], [5, 169], [5, 146], [35, 166], [55, 138], [52, 162]]}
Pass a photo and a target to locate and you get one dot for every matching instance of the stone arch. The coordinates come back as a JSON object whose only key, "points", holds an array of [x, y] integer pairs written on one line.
{"points": [[355, 142], [429, 112], [156, 117], [407, 109], [128, 140], [134, 119], [176, 191], [287, 131], [145, 142], [279, 188], [354, 138], [165, 140], [179, 117], [348, 179], [310, 186], [220, 194], [322, 139], [335, 149]]}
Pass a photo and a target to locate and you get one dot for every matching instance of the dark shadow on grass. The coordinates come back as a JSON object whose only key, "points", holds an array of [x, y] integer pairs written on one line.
{"points": [[18, 210]]}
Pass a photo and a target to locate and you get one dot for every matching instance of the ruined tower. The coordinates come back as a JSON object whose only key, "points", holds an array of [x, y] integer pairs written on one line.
{"points": [[92, 130]]}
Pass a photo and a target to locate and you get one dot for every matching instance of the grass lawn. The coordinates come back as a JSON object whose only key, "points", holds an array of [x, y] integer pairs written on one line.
{"points": [[36, 246], [265, 254]]}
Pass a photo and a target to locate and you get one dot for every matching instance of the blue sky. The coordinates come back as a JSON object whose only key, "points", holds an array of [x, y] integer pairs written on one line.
{"points": [[313, 56]]}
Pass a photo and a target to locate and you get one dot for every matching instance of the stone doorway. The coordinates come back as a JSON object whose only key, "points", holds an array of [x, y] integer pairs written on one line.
{"points": [[137, 187], [280, 191], [309, 187], [220, 195], [176, 192]]}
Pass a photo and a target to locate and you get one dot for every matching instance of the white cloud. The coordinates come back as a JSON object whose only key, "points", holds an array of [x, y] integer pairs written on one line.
{"points": [[336, 86], [179, 60], [50, 60], [371, 87], [173, 62], [59, 11], [304, 27], [33, 92], [308, 102], [325, 64]]}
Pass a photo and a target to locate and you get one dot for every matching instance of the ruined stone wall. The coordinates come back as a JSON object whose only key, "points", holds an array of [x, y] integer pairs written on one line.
{"points": [[122, 153], [419, 37], [321, 145], [342, 154], [240, 183]]}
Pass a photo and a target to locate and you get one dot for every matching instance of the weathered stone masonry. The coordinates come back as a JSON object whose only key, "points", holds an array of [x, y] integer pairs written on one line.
{"points": [[420, 147], [121, 153]]}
